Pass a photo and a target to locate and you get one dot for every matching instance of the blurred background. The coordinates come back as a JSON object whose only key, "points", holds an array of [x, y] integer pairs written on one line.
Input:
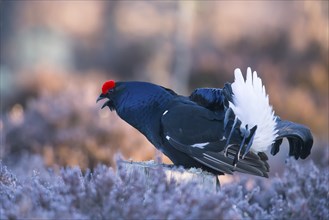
{"points": [[55, 55]]}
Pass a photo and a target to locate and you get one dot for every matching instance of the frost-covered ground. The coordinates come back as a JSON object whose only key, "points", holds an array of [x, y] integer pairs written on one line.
{"points": [[104, 193]]}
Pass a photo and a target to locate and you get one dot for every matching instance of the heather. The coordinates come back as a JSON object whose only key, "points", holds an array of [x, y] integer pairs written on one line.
{"points": [[301, 192], [39, 180]]}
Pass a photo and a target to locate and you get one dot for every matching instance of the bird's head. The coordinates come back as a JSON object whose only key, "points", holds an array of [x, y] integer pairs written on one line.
{"points": [[133, 97], [109, 90]]}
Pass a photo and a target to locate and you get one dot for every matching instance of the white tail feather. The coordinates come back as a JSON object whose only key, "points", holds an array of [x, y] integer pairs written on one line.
{"points": [[251, 106]]}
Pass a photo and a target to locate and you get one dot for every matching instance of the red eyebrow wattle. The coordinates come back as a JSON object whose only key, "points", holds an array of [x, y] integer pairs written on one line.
{"points": [[107, 86]]}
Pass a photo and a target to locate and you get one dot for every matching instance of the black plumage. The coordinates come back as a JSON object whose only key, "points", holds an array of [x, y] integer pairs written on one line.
{"points": [[199, 130]]}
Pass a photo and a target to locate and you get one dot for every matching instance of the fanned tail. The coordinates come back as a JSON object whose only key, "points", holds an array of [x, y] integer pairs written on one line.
{"points": [[246, 102], [250, 104]]}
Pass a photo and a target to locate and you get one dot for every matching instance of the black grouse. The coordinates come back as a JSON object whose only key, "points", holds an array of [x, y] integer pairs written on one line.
{"points": [[218, 130]]}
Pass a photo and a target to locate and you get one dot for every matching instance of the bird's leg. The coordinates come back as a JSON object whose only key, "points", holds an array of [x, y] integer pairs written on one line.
{"points": [[230, 135], [237, 155], [217, 184], [251, 139]]}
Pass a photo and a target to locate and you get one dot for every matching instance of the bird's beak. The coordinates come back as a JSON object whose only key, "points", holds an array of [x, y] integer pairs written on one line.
{"points": [[103, 96], [100, 97]]}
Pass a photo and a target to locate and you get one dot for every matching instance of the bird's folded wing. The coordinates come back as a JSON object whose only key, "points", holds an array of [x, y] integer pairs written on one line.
{"points": [[199, 133], [192, 124]]}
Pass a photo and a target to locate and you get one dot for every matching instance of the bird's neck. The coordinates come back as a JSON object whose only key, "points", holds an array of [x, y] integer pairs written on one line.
{"points": [[143, 110]]}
